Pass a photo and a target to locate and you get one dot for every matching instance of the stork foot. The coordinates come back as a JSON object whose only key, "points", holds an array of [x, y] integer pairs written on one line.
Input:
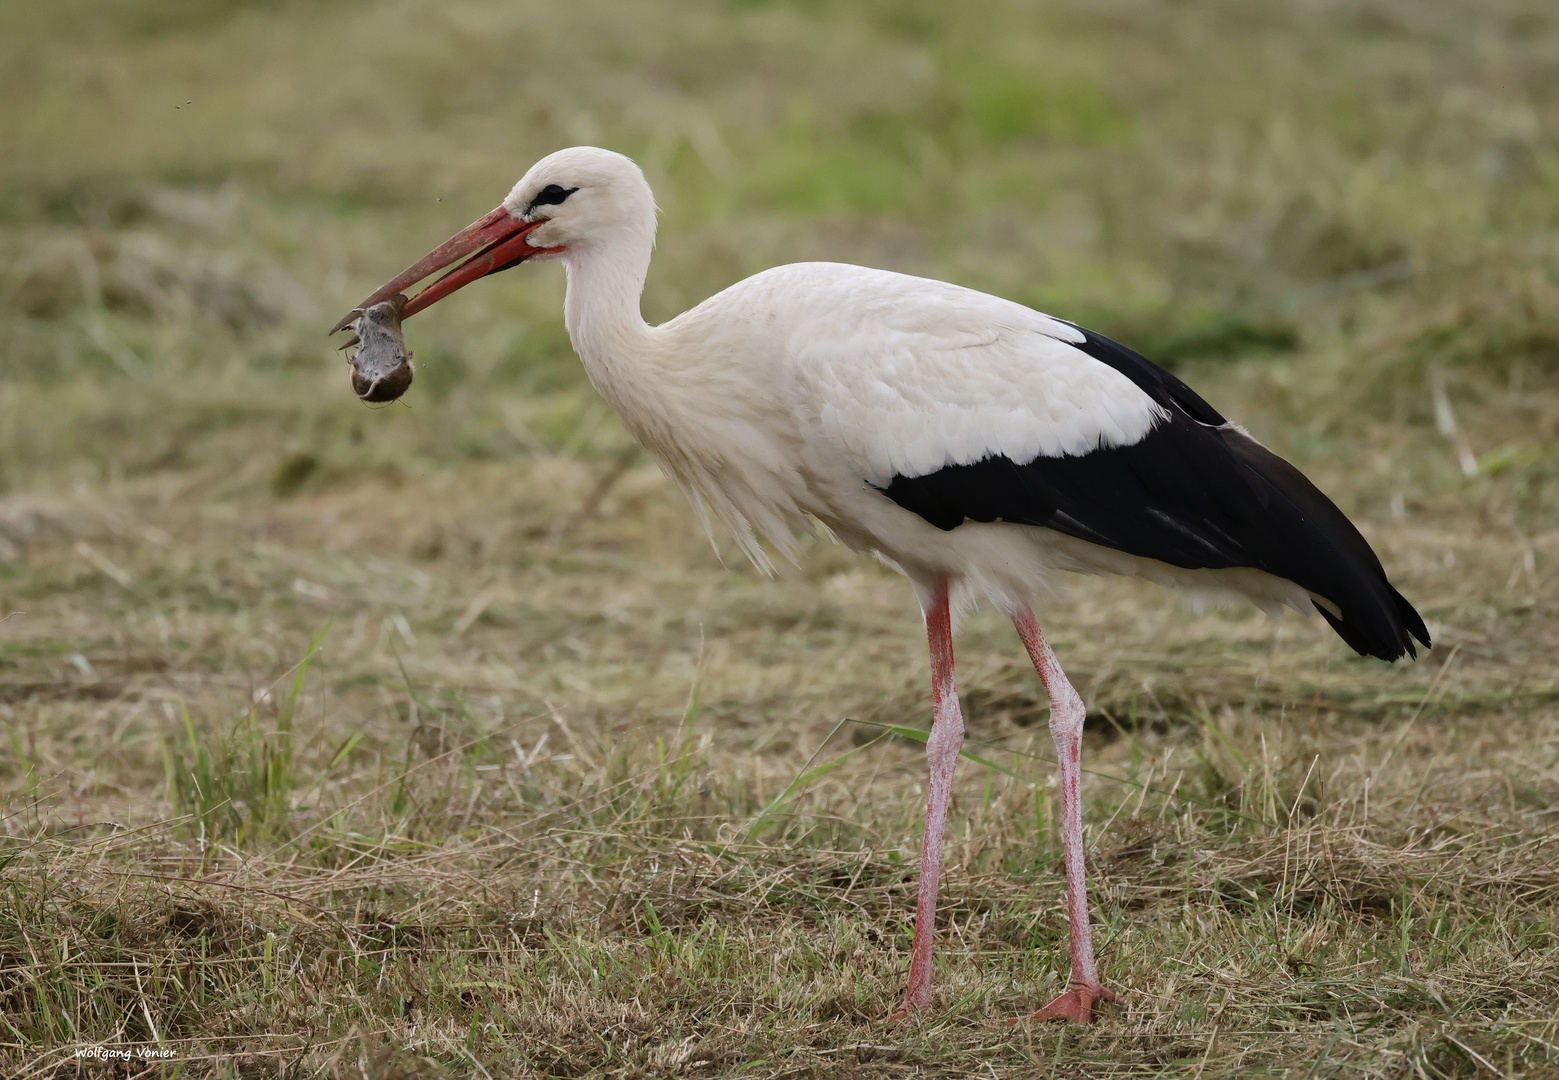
{"points": [[912, 1006], [1075, 1005]]}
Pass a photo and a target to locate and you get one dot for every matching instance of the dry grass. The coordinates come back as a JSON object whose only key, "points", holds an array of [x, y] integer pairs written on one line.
{"points": [[508, 818], [501, 831]]}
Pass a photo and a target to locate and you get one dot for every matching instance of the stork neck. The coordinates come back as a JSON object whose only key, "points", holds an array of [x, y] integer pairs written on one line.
{"points": [[601, 309]]}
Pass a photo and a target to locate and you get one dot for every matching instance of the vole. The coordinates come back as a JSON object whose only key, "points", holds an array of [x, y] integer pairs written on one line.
{"points": [[381, 366]]}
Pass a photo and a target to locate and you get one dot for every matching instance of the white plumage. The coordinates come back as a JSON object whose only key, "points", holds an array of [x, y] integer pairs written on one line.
{"points": [[901, 375], [975, 444]]}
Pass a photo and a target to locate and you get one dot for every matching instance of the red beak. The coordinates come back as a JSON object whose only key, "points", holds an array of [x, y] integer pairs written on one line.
{"points": [[498, 240]]}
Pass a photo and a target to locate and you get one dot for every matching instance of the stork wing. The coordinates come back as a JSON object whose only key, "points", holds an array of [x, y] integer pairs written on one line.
{"points": [[908, 376], [965, 410]]}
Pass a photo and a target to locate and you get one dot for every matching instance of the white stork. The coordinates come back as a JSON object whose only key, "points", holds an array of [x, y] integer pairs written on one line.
{"points": [[976, 445]]}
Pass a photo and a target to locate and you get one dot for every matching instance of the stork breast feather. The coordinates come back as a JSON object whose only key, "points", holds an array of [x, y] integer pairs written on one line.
{"points": [[915, 403]]}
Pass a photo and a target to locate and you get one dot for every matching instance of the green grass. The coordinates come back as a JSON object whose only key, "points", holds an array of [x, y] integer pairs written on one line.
{"points": [[436, 741]]}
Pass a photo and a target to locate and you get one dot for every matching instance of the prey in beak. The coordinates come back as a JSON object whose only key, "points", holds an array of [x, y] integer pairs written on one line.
{"points": [[381, 366]]}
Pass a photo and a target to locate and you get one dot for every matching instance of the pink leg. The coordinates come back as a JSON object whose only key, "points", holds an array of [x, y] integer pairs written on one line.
{"points": [[1066, 727], [947, 737]]}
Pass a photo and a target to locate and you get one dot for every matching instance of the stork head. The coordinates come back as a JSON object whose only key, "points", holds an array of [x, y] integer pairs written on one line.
{"points": [[583, 199], [572, 203]]}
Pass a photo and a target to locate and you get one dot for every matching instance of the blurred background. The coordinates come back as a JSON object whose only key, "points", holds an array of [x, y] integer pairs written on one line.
{"points": [[1331, 200], [1337, 219]]}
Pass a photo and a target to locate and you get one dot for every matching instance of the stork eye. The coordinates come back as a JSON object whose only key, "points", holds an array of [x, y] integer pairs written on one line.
{"points": [[550, 195]]}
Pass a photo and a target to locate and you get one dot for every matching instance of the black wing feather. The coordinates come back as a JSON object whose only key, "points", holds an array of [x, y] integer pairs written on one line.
{"points": [[1195, 492]]}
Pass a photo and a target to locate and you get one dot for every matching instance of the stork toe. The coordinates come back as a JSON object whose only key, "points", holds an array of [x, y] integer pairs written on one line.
{"points": [[1076, 1005]]}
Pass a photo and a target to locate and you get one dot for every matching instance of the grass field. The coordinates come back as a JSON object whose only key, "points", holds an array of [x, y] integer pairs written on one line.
{"points": [[437, 741]]}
